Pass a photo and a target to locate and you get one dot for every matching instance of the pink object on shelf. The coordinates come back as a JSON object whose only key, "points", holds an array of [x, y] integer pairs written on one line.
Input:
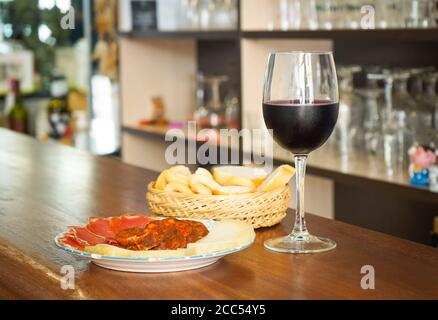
{"points": [[422, 157]]}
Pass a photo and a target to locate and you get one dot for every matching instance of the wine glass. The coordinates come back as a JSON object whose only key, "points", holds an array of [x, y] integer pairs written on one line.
{"points": [[300, 107]]}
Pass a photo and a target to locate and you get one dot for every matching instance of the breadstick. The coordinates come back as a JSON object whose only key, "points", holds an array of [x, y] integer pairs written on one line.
{"points": [[178, 187]]}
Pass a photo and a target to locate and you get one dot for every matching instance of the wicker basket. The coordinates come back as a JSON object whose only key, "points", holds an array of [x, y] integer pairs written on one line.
{"points": [[261, 209]]}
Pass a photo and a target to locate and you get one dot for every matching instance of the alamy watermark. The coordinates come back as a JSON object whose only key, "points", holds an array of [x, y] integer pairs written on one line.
{"points": [[368, 19], [68, 19], [207, 146], [68, 280], [368, 281]]}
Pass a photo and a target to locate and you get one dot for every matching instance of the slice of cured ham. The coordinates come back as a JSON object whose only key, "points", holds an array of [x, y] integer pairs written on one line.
{"points": [[100, 227], [70, 241], [86, 237], [129, 220], [102, 230]]}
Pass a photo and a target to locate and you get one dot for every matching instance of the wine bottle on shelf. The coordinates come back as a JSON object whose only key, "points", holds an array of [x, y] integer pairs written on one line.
{"points": [[15, 109], [58, 111], [3, 122], [434, 233]]}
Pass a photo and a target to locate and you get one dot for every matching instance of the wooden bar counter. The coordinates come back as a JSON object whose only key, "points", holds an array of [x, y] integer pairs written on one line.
{"points": [[45, 187]]}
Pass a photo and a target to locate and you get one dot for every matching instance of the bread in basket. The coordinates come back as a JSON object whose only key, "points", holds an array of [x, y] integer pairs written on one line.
{"points": [[259, 208]]}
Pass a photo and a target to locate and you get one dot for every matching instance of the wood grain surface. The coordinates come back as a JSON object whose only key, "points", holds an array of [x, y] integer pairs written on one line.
{"points": [[45, 187]]}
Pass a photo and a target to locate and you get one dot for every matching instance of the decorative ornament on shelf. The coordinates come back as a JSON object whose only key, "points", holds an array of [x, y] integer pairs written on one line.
{"points": [[422, 158], [158, 114]]}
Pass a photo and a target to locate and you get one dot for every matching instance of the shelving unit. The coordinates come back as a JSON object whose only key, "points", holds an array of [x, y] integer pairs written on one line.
{"points": [[199, 35], [391, 35], [165, 64], [410, 46]]}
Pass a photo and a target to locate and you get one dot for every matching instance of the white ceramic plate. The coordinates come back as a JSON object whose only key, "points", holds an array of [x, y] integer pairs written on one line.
{"points": [[153, 264]]}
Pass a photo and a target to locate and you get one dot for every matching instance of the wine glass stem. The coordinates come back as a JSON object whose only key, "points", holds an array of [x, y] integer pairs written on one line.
{"points": [[300, 232]]}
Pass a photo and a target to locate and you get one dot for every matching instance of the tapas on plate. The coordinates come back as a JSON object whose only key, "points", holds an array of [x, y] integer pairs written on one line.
{"points": [[139, 243]]}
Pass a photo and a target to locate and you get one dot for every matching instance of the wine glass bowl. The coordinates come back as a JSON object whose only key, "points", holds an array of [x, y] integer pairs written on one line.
{"points": [[300, 107], [300, 128]]}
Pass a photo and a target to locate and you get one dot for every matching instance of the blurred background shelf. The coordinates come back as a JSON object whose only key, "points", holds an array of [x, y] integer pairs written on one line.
{"points": [[158, 132], [391, 35], [326, 162], [165, 63], [201, 35]]}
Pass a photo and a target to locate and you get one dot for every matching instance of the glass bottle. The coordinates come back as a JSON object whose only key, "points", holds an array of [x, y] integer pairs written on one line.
{"points": [[418, 115], [224, 15], [353, 14], [407, 114], [206, 10], [214, 105], [283, 10], [58, 112], [417, 81], [370, 137], [427, 113], [395, 140], [350, 111], [294, 14], [201, 113], [3, 122], [374, 135], [192, 14], [232, 115], [309, 15], [327, 14], [17, 115], [396, 132], [419, 13], [430, 95], [388, 14]]}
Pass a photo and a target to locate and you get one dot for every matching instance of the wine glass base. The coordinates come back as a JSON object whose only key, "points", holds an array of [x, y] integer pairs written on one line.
{"points": [[311, 244]]}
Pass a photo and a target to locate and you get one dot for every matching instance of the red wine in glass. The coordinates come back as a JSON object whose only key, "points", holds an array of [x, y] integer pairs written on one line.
{"points": [[300, 128], [300, 107]]}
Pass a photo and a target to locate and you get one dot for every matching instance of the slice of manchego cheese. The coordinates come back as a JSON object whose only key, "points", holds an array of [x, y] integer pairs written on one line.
{"points": [[113, 251], [226, 235]]}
